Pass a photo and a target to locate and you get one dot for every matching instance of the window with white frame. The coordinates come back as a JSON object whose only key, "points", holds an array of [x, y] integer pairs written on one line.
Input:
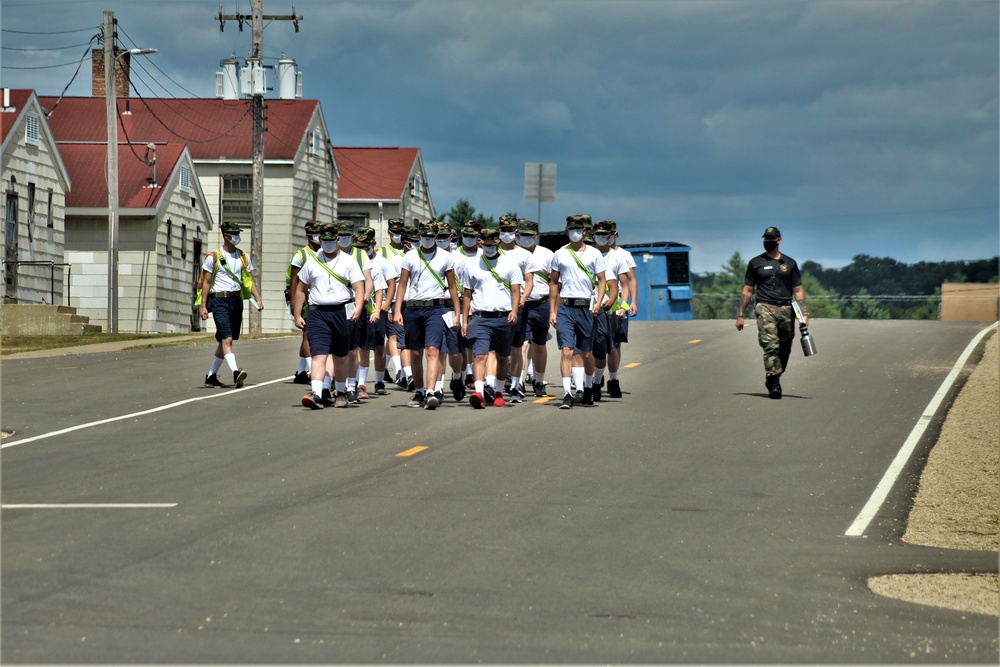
{"points": [[185, 179]]}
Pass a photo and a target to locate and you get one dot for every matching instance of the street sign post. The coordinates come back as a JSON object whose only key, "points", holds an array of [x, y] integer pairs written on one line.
{"points": [[539, 183]]}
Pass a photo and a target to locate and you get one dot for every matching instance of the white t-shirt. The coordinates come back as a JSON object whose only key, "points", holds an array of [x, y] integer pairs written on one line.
{"points": [[462, 261], [324, 289], [395, 257], [422, 284], [382, 272], [541, 262], [488, 293], [574, 282], [224, 282]]}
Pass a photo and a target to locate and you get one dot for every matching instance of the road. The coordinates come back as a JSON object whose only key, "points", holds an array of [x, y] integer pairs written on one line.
{"points": [[692, 521]]}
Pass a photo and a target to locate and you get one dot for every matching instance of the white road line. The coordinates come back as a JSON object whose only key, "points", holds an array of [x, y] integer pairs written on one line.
{"points": [[88, 506], [881, 492], [142, 413]]}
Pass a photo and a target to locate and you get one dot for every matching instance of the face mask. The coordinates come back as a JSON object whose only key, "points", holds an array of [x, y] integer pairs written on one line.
{"points": [[427, 242], [234, 239], [601, 239], [770, 245], [490, 251], [396, 238], [314, 238], [469, 241], [507, 237], [453, 246], [329, 247], [371, 251], [526, 241], [444, 244], [345, 241], [575, 235]]}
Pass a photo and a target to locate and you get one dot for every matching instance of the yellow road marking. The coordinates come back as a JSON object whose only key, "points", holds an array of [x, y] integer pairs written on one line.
{"points": [[412, 451], [692, 342], [544, 399], [632, 365]]}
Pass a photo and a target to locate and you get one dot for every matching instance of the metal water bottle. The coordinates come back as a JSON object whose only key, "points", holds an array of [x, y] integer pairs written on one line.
{"points": [[808, 344]]}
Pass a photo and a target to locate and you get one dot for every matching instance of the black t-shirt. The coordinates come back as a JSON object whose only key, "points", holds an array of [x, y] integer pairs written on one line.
{"points": [[773, 279]]}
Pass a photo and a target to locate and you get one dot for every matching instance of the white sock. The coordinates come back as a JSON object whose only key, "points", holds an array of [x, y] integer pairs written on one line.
{"points": [[468, 369], [598, 375], [480, 385], [456, 375], [317, 387], [304, 363], [588, 382], [397, 365], [566, 385], [578, 376], [515, 382], [529, 370], [216, 365], [352, 384], [440, 385], [362, 375], [491, 381], [327, 382], [540, 378], [341, 388], [408, 371], [612, 375], [231, 360]]}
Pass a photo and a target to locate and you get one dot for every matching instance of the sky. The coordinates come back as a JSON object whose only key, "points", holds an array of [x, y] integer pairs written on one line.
{"points": [[855, 126]]}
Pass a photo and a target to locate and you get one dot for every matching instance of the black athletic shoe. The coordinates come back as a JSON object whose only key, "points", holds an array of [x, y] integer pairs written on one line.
{"points": [[213, 381], [400, 380], [567, 402], [597, 391], [614, 389], [411, 385], [352, 396], [578, 396], [380, 389], [773, 385], [312, 401], [488, 394], [588, 397], [432, 402], [539, 388], [470, 383], [301, 377], [326, 398], [239, 377], [417, 401], [385, 376], [457, 389]]}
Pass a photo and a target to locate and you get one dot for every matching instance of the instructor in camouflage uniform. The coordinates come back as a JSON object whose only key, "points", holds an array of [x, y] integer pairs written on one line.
{"points": [[774, 280]]}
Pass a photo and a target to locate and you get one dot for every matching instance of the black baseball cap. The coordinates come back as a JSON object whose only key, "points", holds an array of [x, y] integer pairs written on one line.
{"points": [[772, 233]]}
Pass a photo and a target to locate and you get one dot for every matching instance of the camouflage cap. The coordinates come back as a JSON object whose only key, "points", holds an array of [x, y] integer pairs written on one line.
{"points": [[527, 226], [489, 235], [345, 227], [588, 235], [508, 222], [229, 227], [411, 234], [577, 220], [428, 228], [396, 224], [328, 231], [475, 224], [469, 231], [364, 237], [444, 229], [313, 226], [604, 226]]}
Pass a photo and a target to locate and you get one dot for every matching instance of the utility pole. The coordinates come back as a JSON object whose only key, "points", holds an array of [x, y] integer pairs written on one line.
{"points": [[110, 95], [256, 63]]}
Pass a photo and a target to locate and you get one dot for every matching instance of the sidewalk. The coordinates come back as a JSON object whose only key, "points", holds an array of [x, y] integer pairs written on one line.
{"points": [[115, 346]]}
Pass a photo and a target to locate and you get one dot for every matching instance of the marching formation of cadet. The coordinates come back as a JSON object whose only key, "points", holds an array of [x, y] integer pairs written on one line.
{"points": [[474, 308]]}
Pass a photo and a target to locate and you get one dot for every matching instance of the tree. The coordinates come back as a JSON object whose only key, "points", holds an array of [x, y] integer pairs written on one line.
{"points": [[718, 294], [864, 307], [821, 302]]}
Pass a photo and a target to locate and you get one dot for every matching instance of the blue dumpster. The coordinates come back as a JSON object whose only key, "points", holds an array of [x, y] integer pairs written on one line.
{"points": [[663, 279]]}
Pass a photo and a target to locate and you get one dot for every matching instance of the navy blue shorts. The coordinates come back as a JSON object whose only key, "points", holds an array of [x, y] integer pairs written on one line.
{"points": [[359, 331], [621, 334], [452, 340], [574, 328], [536, 320], [375, 334], [424, 327], [329, 332], [519, 329], [228, 314], [489, 333], [397, 330], [602, 337]]}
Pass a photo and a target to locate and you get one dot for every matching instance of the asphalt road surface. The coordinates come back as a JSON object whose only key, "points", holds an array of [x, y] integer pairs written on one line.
{"points": [[692, 521]]}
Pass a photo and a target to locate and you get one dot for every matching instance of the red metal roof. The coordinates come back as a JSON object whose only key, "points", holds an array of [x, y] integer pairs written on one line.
{"points": [[86, 166], [373, 172], [213, 129]]}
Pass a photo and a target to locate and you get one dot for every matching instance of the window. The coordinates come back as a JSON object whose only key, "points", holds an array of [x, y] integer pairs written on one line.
{"points": [[29, 219], [48, 211], [184, 241], [185, 179], [170, 237], [237, 199], [10, 250], [316, 141], [315, 208], [359, 220], [31, 129]]}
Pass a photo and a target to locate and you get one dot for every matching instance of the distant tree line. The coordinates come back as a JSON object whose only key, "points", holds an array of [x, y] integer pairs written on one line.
{"points": [[869, 288]]}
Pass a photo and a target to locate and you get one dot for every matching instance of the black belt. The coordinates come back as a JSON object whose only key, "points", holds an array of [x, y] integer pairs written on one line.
{"points": [[536, 302], [492, 313], [224, 295], [428, 302], [327, 307], [775, 303], [575, 303]]}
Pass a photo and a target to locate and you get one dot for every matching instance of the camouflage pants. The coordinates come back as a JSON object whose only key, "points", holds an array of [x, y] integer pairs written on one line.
{"points": [[775, 333]]}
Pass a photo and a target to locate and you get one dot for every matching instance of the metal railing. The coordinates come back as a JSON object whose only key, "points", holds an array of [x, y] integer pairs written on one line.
{"points": [[12, 298]]}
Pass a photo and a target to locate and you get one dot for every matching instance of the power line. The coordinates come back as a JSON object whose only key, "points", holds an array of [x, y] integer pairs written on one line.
{"points": [[153, 63], [73, 78], [61, 32], [51, 48]]}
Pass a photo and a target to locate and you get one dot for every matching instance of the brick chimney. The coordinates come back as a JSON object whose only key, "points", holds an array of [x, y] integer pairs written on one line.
{"points": [[121, 72]]}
